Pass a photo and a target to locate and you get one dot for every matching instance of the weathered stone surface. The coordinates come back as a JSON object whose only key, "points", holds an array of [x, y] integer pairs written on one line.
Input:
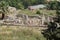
{"points": [[11, 9], [16, 18], [22, 19]]}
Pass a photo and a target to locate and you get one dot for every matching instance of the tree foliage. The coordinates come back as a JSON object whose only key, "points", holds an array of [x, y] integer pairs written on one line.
{"points": [[52, 33], [23, 3], [53, 5], [58, 16], [3, 6]]}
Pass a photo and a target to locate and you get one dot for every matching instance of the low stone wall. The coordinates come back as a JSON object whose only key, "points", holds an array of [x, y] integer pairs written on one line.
{"points": [[24, 20], [14, 17]]}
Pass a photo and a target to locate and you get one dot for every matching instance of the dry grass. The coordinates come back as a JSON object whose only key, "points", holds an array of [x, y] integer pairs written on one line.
{"points": [[20, 33], [30, 12]]}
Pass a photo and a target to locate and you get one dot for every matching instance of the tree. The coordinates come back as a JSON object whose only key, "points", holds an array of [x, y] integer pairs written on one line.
{"points": [[53, 31], [19, 4], [53, 5], [3, 6], [41, 1], [58, 16], [50, 32]]}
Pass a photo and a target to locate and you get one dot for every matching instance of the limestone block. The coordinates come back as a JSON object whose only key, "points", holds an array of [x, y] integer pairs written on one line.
{"points": [[12, 9]]}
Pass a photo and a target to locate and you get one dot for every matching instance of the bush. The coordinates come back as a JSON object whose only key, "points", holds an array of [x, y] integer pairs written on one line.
{"points": [[52, 33], [38, 12]]}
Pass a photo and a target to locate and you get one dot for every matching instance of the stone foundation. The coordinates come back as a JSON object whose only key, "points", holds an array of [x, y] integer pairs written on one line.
{"points": [[25, 20]]}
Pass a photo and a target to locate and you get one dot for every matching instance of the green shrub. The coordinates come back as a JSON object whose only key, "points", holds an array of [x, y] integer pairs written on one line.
{"points": [[38, 12]]}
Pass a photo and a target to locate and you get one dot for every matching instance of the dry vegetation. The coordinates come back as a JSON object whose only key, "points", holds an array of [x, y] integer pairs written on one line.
{"points": [[44, 11], [20, 33]]}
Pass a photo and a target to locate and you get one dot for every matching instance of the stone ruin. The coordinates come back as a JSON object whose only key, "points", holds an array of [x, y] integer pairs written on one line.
{"points": [[24, 20], [16, 18]]}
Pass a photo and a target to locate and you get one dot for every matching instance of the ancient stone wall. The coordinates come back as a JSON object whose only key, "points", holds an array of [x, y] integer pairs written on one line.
{"points": [[16, 18], [25, 20]]}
